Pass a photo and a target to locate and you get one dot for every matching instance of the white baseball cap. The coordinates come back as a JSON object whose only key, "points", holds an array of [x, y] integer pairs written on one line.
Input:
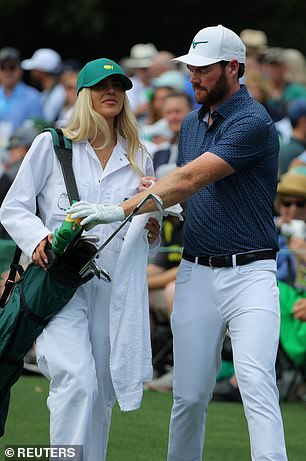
{"points": [[214, 44], [44, 59], [141, 55]]}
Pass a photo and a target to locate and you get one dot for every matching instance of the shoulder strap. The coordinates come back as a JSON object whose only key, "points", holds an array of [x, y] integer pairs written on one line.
{"points": [[63, 150]]}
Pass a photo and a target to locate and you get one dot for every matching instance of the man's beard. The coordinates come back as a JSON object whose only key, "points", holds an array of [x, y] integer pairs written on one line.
{"points": [[217, 94]]}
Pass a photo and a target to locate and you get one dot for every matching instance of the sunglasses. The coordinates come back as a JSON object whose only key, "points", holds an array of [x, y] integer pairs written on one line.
{"points": [[297, 203]]}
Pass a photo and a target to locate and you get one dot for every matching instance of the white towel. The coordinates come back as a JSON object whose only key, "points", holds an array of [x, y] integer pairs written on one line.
{"points": [[131, 356]]}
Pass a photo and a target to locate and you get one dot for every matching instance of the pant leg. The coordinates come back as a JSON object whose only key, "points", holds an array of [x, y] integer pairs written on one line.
{"points": [[73, 352], [64, 355], [254, 331], [100, 341], [198, 332]]}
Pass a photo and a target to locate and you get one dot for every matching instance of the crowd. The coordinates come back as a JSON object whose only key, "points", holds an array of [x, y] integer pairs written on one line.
{"points": [[160, 99]]}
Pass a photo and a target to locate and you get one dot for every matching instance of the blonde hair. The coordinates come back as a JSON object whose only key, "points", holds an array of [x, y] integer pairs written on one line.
{"points": [[86, 123]]}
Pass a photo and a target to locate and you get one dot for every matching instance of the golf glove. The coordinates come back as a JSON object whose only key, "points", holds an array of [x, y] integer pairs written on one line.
{"points": [[94, 213]]}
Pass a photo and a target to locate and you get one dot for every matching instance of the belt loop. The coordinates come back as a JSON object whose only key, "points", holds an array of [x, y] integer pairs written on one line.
{"points": [[234, 261], [196, 259]]}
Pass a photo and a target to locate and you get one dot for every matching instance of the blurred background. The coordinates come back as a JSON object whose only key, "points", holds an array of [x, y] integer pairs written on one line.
{"points": [[91, 28]]}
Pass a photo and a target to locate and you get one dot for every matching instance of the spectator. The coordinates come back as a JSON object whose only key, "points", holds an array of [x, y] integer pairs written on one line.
{"points": [[157, 129], [161, 282], [176, 106], [295, 66], [282, 91], [162, 62], [296, 145], [18, 101], [292, 194], [293, 299], [45, 68], [69, 80], [138, 64], [162, 270], [256, 42], [288, 226], [18, 145], [259, 88]]}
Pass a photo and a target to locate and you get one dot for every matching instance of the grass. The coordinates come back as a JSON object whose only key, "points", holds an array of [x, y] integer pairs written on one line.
{"points": [[142, 435]]}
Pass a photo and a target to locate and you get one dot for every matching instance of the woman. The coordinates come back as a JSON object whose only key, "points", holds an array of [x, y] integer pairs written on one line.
{"points": [[108, 161]]}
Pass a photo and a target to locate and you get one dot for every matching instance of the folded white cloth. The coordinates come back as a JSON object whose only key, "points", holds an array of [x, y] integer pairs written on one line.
{"points": [[131, 356]]}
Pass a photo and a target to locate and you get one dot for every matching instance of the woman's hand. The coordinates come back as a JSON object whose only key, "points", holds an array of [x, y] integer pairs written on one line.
{"points": [[146, 182], [153, 227], [39, 256]]}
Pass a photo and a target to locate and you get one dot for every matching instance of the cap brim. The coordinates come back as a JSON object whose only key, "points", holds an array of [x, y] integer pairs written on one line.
{"points": [[286, 190], [138, 63], [195, 60], [27, 64], [126, 82]]}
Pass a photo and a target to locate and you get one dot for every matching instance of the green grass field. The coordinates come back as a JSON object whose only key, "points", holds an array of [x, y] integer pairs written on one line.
{"points": [[142, 435]]}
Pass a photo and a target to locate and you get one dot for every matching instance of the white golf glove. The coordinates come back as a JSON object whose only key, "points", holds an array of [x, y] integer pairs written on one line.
{"points": [[94, 213]]}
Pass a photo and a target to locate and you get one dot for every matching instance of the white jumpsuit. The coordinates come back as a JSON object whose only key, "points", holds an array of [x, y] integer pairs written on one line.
{"points": [[73, 350]]}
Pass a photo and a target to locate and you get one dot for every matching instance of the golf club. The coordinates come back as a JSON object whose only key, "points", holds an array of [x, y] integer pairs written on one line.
{"points": [[88, 266]]}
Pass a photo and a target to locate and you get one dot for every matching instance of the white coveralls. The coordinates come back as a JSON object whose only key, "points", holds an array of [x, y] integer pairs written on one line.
{"points": [[73, 350]]}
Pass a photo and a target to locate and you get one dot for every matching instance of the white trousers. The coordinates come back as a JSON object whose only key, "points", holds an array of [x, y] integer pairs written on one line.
{"points": [[245, 300], [73, 352]]}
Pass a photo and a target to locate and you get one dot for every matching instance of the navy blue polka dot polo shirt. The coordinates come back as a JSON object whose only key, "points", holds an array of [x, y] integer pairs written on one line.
{"points": [[235, 214]]}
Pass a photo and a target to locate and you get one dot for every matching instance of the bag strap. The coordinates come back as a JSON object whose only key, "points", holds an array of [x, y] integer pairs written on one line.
{"points": [[14, 268], [63, 149]]}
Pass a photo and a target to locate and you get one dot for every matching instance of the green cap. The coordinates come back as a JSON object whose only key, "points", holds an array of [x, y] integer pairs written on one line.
{"points": [[99, 69]]}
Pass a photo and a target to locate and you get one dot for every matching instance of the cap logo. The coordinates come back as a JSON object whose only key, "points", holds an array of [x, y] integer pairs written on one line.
{"points": [[194, 44], [108, 66]]}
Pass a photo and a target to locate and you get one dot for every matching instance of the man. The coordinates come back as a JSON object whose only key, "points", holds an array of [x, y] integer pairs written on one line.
{"points": [[176, 106], [292, 189], [18, 145], [291, 151], [228, 157], [45, 68], [138, 64], [281, 91], [18, 101]]}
